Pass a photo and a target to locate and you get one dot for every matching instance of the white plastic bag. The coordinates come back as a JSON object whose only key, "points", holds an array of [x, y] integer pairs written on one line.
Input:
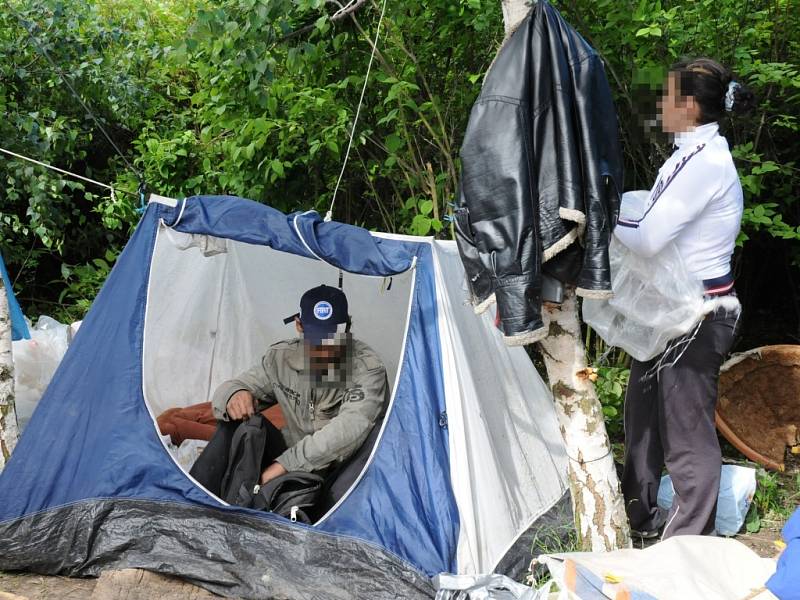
{"points": [[187, 453], [655, 299], [35, 362], [482, 587], [736, 490]]}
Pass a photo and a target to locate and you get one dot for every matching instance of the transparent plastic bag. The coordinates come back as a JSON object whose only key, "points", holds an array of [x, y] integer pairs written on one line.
{"points": [[655, 299], [35, 362]]}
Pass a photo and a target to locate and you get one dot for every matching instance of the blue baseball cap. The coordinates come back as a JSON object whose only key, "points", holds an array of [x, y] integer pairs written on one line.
{"points": [[322, 310]]}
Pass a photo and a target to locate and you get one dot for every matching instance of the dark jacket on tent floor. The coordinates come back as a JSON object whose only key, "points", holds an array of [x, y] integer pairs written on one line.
{"points": [[541, 169]]}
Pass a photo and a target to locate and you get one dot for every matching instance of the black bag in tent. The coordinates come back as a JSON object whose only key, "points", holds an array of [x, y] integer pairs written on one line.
{"points": [[244, 463]]}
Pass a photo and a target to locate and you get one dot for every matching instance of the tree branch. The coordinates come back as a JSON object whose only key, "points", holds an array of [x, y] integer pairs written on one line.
{"points": [[343, 12]]}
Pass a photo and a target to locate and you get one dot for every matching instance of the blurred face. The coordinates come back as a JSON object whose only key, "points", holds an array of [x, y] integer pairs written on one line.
{"points": [[327, 363], [324, 355], [677, 113]]}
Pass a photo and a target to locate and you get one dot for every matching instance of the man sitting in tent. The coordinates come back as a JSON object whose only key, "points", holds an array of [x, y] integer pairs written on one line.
{"points": [[332, 390]]}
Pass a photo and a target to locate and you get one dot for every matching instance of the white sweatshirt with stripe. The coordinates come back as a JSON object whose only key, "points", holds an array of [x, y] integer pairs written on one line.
{"points": [[697, 202]]}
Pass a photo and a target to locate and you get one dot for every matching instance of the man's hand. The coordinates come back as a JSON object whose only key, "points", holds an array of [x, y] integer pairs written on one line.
{"points": [[271, 472], [241, 405]]}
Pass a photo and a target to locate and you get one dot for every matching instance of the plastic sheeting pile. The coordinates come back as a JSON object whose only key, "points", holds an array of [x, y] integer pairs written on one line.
{"points": [[679, 568], [481, 587], [35, 361]]}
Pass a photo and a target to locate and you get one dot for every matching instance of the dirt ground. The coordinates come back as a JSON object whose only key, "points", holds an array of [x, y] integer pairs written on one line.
{"points": [[127, 584], [38, 587]]}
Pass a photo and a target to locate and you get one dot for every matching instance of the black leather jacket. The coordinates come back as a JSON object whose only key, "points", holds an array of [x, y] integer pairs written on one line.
{"points": [[541, 170]]}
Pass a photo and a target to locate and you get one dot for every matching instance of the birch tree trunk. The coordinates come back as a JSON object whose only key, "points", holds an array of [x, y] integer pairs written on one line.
{"points": [[597, 502], [513, 12], [8, 416]]}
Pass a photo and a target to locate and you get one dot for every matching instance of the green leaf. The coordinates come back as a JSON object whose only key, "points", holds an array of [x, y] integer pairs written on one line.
{"points": [[426, 207], [753, 521], [277, 167], [420, 225], [393, 143]]}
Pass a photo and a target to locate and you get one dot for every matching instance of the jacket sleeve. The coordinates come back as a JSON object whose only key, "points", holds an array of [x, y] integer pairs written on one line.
{"points": [[256, 380], [496, 184], [362, 405], [679, 203], [480, 282], [601, 157]]}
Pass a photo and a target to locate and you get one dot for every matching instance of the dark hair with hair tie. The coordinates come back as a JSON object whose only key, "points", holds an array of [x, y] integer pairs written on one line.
{"points": [[713, 88]]}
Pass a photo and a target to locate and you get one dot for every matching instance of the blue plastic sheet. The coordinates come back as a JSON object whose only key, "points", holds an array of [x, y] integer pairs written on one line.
{"points": [[19, 328], [785, 583]]}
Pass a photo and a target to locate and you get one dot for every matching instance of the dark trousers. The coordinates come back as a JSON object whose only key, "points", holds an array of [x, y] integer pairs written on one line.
{"points": [[669, 420], [210, 466]]}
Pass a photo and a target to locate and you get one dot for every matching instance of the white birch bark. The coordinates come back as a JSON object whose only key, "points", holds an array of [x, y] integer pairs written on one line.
{"points": [[8, 416], [513, 12], [597, 502]]}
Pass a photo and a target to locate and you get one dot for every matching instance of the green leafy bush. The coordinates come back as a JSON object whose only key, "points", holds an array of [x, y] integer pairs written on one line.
{"points": [[257, 98], [610, 385]]}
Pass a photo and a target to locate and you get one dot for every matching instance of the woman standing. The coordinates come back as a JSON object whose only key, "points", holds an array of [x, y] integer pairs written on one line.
{"points": [[696, 203]]}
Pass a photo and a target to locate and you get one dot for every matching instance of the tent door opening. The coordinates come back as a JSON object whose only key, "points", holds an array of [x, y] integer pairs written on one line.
{"points": [[215, 305]]}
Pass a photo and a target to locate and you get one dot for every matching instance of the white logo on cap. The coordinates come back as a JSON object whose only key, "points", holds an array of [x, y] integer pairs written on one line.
{"points": [[323, 310]]}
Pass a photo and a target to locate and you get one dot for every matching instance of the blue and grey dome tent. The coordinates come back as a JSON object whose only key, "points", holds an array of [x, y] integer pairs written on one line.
{"points": [[469, 467]]}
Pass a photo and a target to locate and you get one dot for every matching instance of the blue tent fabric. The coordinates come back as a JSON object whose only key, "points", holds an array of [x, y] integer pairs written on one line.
{"points": [[428, 516], [19, 328], [247, 221], [785, 583], [90, 486]]}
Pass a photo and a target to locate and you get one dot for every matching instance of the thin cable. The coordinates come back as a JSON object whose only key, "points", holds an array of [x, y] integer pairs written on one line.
{"points": [[329, 214], [75, 175], [44, 53]]}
